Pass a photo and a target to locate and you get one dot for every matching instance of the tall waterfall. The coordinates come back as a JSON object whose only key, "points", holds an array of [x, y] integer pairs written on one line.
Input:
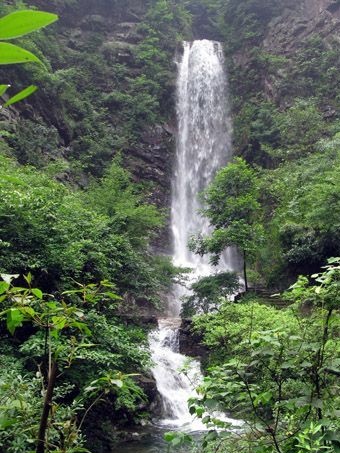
{"points": [[203, 143], [203, 146]]}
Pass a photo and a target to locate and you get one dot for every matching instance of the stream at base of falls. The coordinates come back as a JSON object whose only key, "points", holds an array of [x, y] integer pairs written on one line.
{"points": [[151, 442], [176, 376]]}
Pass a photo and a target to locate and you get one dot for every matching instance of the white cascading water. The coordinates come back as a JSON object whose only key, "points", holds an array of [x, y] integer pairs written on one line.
{"points": [[174, 386], [203, 146]]}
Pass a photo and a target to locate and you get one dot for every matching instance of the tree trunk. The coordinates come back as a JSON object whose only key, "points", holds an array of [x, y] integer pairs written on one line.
{"points": [[46, 409], [245, 270]]}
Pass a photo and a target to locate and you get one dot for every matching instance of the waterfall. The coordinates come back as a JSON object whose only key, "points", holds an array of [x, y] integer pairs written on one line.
{"points": [[203, 146], [203, 143], [174, 387]]}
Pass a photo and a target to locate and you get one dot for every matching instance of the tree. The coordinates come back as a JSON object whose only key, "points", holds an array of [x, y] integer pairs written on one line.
{"points": [[208, 291], [65, 336], [233, 209]]}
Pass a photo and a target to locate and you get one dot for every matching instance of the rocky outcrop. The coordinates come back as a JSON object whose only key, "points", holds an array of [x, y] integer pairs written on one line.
{"points": [[190, 343], [152, 161], [285, 38], [300, 21]]}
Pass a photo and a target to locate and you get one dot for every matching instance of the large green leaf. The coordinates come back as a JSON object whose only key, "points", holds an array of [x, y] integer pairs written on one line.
{"points": [[14, 319], [20, 23], [3, 89], [10, 54], [20, 96], [37, 292]]}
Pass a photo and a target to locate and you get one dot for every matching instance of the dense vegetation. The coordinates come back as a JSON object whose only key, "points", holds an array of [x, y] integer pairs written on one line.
{"points": [[78, 221], [73, 261], [278, 370], [286, 124]]}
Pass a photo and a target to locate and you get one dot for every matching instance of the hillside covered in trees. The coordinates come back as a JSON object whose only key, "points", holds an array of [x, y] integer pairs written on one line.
{"points": [[87, 169]]}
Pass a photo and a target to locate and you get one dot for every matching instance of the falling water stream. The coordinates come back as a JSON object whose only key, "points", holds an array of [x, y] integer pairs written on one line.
{"points": [[203, 146]]}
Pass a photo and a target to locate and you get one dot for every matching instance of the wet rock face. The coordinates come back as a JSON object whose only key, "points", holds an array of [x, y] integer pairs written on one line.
{"points": [[302, 20], [152, 161]]}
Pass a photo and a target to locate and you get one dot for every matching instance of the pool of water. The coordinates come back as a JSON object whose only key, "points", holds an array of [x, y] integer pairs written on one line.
{"points": [[150, 442]]}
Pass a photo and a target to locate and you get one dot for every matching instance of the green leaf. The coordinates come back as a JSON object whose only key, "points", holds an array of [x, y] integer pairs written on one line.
{"points": [[38, 293], [3, 287], [168, 437], [23, 22], [82, 327], [11, 54], [199, 411], [21, 95], [28, 311], [14, 319], [3, 89], [59, 322], [28, 278], [112, 295]]}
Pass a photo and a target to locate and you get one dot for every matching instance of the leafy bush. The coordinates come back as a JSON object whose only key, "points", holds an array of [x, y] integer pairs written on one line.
{"points": [[60, 235], [208, 291], [278, 370]]}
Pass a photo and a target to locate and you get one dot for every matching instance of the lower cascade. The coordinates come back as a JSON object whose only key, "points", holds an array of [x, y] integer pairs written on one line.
{"points": [[203, 147], [174, 385]]}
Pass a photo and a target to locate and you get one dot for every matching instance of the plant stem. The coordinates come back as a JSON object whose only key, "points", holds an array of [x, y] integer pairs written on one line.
{"points": [[245, 270], [47, 407]]}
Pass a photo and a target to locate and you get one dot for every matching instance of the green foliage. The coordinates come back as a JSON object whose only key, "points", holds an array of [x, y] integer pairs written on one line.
{"points": [[20, 394], [300, 127], [231, 203], [61, 341], [116, 197], [224, 332], [278, 370], [165, 25], [301, 210], [96, 120], [61, 235]]}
